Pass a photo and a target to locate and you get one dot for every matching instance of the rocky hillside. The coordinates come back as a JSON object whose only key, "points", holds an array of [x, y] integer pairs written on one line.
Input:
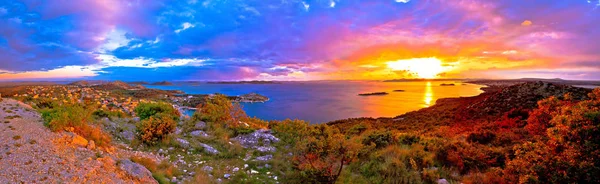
{"points": [[490, 105], [31, 153], [524, 96]]}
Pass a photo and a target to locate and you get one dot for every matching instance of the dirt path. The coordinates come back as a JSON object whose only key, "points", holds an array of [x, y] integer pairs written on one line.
{"points": [[30, 153]]}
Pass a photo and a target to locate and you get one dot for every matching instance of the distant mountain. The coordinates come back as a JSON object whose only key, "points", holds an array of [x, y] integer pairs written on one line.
{"points": [[138, 83], [244, 82], [508, 82], [117, 85], [163, 83], [79, 83], [417, 80]]}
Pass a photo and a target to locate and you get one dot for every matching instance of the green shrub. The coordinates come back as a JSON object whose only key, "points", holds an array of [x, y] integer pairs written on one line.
{"points": [[65, 116], [102, 113], [77, 118], [379, 138], [155, 128], [147, 110], [219, 109]]}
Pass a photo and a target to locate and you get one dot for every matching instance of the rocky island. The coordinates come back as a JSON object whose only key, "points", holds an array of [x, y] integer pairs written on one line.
{"points": [[373, 94], [162, 83]]}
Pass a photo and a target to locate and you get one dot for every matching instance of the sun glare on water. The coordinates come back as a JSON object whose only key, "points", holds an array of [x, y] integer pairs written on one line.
{"points": [[423, 67]]}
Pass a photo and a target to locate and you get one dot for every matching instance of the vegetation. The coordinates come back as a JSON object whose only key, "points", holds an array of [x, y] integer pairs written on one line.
{"points": [[147, 110], [158, 120], [160, 171], [555, 141], [75, 118], [155, 128]]}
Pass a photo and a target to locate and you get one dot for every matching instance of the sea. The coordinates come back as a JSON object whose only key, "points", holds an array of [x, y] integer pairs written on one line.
{"points": [[324, 101]]}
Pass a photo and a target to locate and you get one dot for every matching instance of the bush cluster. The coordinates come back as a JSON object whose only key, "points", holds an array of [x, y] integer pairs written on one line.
{"points": [[77, 117], [158, 120]]}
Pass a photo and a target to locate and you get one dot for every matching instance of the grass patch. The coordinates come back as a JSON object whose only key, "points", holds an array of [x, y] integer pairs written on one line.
{"points": [[32, 141], [18, 145], [160, 171], [16, 137], [6, 121]]}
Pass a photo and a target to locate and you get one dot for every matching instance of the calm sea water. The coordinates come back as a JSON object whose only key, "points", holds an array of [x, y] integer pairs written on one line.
{"points": [[323, 101]]}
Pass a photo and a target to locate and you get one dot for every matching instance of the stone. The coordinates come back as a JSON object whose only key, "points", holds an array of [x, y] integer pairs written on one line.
{"points": [[79, 141], [183, 143], [265, 149], [200, 125], [127, 135], [198, 133], [91, 145], [264, 158], [208, 169], [254, 139], [442, 181], [209, 149], [135, 170]]}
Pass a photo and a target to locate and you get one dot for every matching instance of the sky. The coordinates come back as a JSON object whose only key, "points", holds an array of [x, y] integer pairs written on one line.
{"points": [[211, 40]]}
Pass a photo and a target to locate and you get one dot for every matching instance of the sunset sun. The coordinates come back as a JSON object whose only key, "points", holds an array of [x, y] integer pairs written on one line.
{"points": [[421, 67]]}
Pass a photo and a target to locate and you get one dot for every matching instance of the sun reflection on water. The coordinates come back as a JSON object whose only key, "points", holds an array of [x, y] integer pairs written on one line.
{"points": [[428, 95]]}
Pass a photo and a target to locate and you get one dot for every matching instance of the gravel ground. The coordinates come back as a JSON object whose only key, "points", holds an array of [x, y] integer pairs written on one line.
{"points": [[30, 153]]}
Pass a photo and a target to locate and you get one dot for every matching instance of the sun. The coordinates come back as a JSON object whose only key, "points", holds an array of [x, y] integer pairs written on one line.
{"points": [[423, 67]]}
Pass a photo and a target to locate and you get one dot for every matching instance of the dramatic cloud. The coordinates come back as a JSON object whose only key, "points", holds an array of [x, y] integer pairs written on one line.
{"points": [[297, 39]]}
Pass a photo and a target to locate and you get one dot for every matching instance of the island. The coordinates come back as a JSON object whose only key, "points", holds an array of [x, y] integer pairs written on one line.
{"points": [[444, 84], [138, 83], [399, 90], [163, 83], [373, 94]]}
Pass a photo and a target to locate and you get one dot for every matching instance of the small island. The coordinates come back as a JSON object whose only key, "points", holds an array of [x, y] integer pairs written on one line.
{"points": [[451, 84], [373, 94], [399, 90], [163, 83]]}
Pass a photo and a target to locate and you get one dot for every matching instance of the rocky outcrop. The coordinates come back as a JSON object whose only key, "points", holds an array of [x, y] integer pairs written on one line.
{"points": [[260, 140], [135, 170]]}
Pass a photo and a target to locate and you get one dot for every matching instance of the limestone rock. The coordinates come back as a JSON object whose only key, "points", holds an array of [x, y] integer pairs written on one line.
{"points": [[79, 141], [198, 133], [135, 170]]}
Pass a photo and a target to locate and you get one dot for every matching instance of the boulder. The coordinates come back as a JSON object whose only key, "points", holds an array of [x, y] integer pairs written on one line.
{"points": [[136, 171], [253, 139], [442, 181], [183, 143], [127, 135], [209, 149], [264, 158], [200, 125], [79, 141], [198, 133]]}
